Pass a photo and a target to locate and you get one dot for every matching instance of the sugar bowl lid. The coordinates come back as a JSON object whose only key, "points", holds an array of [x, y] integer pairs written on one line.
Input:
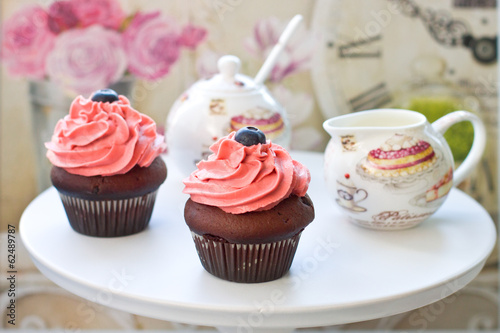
{"points": [[228, 80]]}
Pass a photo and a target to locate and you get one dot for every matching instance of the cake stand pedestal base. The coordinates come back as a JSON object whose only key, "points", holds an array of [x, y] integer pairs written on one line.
{"points": [[226, 329]]}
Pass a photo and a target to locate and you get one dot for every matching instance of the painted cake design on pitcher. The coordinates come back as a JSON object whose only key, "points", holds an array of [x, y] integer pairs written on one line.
{"points": [[434, 196], [348, 142], [441, 188], [399, 156], [217, 107], [269, 122]]}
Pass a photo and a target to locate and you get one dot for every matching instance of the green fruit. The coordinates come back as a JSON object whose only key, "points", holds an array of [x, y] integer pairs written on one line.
{"points": [[458, 136]]}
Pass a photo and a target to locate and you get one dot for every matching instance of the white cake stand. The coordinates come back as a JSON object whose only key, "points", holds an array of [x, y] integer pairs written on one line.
{"points": [[341, 273]]}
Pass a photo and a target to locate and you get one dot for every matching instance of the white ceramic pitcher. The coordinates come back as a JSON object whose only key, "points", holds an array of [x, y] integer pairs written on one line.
{"points": [[390, 169]]}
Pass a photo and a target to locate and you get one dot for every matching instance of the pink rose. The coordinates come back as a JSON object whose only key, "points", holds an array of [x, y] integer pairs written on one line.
{"points": [[62, 16], [26, 42], [85, 60], [107, 13], [206, 64], [192, 35], [152, 45]]}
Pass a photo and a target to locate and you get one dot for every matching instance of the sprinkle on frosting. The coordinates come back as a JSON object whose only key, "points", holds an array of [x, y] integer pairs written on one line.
{"points": [[104, 139], [240, 179]]}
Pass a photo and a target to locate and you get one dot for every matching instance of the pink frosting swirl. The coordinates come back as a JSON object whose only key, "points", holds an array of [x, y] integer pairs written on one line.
{"points": [[104, 139], [240, 179]]}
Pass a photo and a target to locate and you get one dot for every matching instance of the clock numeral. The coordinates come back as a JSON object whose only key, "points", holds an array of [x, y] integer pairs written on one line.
{"points": [[352, 49], [475, 3], [372, 98]]}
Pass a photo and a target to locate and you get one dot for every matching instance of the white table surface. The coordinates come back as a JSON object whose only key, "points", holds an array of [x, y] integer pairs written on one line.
{"points": [[341, 273]]}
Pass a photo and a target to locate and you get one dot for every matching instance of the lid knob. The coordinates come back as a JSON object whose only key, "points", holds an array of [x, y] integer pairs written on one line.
{"points": [[229, 66]]}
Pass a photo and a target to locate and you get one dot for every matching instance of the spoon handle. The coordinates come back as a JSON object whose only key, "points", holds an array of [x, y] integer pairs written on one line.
{"points": [[268, 65]]}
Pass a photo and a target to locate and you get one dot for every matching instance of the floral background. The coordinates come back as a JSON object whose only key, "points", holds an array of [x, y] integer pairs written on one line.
{"points": [[161, 47], [85, 45]]}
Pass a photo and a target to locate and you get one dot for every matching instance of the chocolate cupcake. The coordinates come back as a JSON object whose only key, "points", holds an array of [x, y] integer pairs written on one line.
{"points": [[106, 165], [248, 207]]}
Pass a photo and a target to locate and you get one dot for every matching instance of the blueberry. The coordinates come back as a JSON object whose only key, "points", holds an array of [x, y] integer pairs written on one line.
{"points": [[105, 95], [249, 136]]}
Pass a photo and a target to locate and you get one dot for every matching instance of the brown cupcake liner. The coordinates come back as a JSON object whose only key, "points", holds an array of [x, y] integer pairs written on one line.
{"points": [[246, 263], [109, 218]]}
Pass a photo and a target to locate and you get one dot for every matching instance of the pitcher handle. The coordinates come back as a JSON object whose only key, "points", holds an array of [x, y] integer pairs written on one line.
{"points": [[478, 145]]}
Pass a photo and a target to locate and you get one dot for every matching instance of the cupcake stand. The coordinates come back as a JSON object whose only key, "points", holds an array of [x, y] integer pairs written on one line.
{"points": [[341, 273]]}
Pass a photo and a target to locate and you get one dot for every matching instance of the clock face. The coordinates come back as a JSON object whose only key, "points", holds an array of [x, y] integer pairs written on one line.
{"points": [[370, 50], [372, 53]]}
